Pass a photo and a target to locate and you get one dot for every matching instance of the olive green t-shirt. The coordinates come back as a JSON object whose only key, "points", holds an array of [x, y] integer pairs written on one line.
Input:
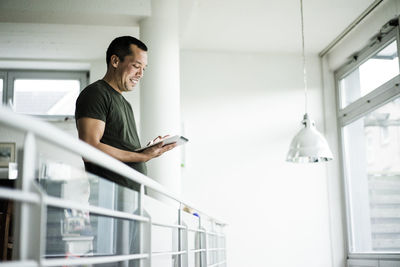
{"points": [[100, 101]]}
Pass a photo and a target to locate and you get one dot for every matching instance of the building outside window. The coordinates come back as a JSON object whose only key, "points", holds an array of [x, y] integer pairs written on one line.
{"points": [[368, 94]]}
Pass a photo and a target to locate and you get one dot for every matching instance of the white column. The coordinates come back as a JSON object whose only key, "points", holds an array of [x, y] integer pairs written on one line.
{"points": [[160, 92]]}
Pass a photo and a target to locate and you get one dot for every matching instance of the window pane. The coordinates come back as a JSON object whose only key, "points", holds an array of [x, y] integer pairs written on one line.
{"points": [[45, 97], [372, 166], [377, 70], [1, 91]]}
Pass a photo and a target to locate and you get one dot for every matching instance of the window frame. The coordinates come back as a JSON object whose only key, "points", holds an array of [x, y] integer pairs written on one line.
{"points": [[10, 75], [3, 76], [380, 96], [361, 106]]}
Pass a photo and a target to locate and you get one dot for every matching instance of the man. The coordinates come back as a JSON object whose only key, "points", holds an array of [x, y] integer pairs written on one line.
{"points": [[105, 119]]}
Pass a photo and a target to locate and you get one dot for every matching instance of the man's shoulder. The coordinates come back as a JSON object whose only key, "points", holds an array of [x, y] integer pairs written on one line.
{"points": [[96, 90], [93, 101], [99, 86], [93, 92]]}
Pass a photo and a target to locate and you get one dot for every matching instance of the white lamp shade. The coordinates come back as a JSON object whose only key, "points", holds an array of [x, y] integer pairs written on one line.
{"points": [[309, 145]]}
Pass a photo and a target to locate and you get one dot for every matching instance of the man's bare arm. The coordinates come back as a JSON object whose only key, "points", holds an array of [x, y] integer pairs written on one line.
{"points": [[91, 131]]}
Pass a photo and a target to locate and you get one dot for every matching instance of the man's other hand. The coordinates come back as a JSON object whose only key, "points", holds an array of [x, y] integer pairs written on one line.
{"points": [[157, 150]]}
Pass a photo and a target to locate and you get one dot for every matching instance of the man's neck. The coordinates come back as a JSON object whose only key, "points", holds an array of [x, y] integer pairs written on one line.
{"points": [[109, 79]]}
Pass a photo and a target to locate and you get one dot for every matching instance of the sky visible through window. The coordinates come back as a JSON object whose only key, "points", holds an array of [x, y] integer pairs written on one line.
{"points": [[377, 70], [45, 97], [385, 63]]}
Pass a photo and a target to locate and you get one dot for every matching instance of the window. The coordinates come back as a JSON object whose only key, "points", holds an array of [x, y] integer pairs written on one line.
{"points": [[369, 118], [375, 71], [45, 94], [2, 82]]}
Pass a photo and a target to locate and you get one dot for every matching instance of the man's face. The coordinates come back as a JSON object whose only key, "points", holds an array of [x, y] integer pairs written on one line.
{"points": [[131, 70]]}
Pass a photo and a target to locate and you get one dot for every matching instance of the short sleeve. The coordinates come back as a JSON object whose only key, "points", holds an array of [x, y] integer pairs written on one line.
{"points": [[92, 103]]}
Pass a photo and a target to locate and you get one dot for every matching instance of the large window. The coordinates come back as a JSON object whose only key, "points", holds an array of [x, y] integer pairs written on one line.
{"points": [[45, 94], [368, 94]]}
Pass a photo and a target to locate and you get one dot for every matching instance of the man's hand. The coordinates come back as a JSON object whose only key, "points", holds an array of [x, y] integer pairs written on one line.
{"points": [[91, 131], [157, 139], [157, 150]]}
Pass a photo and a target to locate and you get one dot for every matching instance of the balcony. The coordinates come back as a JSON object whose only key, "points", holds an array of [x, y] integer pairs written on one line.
{"points": [[65, 216]]}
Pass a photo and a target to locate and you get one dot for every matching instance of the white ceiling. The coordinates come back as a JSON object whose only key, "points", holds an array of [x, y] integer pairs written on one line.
{"points": [[82, 29], [268, 25], [55, 41]]}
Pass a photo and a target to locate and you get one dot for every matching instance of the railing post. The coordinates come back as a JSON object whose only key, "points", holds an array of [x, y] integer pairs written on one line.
{"points": [[42, 219], [150, 233], [27, 230], [180, 234], [187, 245], [141, 226], [145, 230], [206, 248], [183, 242], [123, 237], [203, 245], [213, 244]]}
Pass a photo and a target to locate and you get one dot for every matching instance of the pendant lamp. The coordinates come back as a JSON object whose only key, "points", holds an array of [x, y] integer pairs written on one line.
{"points": [[308, 145]]}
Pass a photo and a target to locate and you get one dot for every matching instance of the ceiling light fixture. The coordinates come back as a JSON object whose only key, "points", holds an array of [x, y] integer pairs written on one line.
{"points": [[308, 145]]}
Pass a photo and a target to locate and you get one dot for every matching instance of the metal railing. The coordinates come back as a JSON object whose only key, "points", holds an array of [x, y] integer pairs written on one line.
{"points": [[33, 204]]}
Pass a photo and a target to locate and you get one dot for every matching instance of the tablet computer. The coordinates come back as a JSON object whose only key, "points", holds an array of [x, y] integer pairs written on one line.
{"points": [[178, 139]]}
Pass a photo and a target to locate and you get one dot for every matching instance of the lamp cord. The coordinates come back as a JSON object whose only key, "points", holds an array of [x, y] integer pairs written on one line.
{"points": [[303, 55]]}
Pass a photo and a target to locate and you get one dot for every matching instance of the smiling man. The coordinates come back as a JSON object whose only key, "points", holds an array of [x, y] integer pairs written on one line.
{"points": [[104, 118]]}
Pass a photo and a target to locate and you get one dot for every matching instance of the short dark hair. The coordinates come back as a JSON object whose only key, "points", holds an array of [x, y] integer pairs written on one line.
{"points": [[120, 47]]}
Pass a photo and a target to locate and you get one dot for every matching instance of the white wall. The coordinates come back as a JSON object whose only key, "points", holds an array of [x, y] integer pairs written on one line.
{"points": [[240, 112]]}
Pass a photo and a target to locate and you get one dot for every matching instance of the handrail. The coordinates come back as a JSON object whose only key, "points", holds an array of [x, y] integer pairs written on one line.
{"points": [[55, 136], [17, 195], [90, 260], [69, 204], [28, 263]]}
